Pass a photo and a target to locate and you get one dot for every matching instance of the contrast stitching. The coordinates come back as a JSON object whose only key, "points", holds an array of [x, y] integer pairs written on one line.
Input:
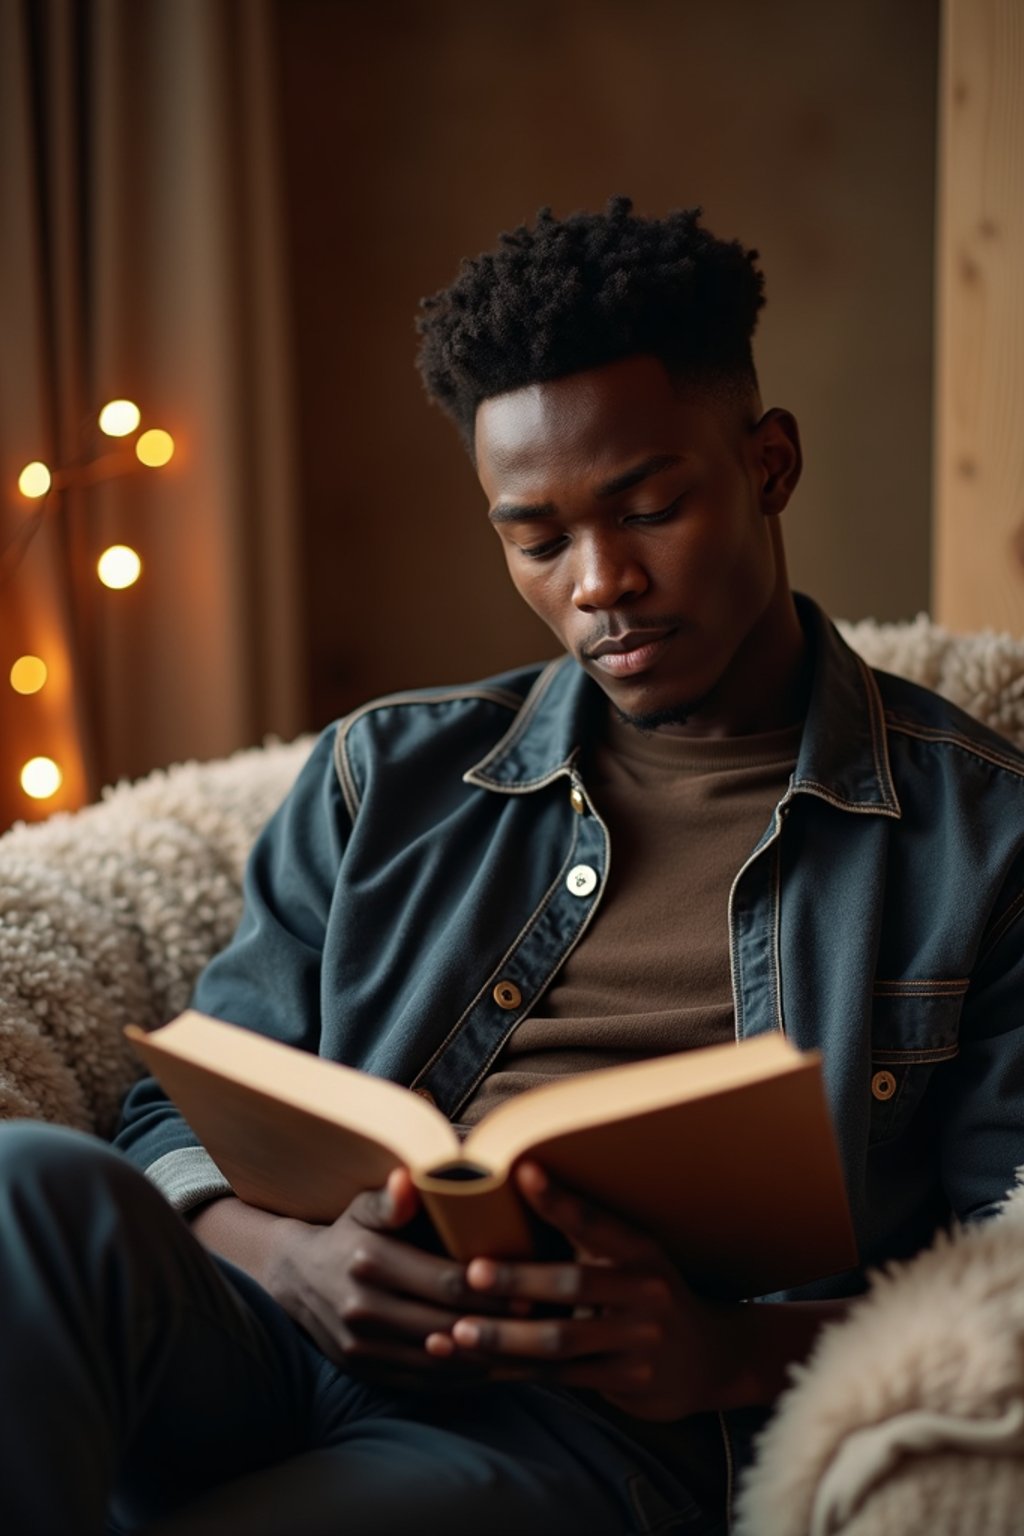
{"points": [[520, 937], [735, 979], [954, 739], [527, 711], [522, 786], [1002, 926], [954, 987], [876, 718], [875, 808], [937, 1053], [581, 930], [776, 959], [343, 767]]}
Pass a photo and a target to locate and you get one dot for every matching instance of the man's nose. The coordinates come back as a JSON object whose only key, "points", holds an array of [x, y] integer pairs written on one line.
{"points": [[607, 575]]}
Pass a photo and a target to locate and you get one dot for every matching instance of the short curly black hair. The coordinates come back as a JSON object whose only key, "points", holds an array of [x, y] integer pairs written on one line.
{"points": [[586, 290]]}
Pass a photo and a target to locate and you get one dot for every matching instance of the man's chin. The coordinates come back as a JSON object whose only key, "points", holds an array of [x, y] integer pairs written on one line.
{"points": [[654, 719], [646, 703]]}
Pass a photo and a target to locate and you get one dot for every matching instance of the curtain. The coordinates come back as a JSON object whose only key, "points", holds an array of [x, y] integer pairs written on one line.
{"points": [[141, 256]]}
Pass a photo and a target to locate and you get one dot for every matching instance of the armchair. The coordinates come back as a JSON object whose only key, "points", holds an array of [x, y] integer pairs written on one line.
{"points": [[909, 1417]]}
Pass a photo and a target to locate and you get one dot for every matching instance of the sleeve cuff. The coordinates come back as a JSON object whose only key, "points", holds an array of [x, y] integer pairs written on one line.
{"points": [[188, 1177]]}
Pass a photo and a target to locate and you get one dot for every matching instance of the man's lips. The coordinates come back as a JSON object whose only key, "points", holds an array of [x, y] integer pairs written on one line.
{"points": [[630, 653]]}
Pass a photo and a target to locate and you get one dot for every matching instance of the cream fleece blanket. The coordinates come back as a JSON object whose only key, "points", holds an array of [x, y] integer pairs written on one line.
{"points": [[908, 1418]]}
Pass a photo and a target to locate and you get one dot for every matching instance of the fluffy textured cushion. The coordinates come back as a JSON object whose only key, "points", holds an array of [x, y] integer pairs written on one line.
{"points": [[983, 673], [107, 917]]}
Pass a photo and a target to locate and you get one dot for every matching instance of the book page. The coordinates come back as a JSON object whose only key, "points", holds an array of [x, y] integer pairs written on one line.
{"points": [[610, 1093], [382, 1111]]}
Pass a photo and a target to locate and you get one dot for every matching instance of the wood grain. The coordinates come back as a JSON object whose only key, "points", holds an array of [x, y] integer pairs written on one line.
{"points": [[978, 577]]}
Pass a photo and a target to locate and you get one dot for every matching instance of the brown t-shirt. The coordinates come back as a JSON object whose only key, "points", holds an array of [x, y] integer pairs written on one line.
{"points": [[651, 974]]}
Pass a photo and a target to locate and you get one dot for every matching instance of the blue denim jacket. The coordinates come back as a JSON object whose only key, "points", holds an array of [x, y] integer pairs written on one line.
{"points": [[440, 855]]}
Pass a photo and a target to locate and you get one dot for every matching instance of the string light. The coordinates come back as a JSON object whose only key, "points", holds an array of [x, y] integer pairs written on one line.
{"points": [[155, 448], [119, 418], [28, 674], [41, 778], [119, 567], [35, 480]]}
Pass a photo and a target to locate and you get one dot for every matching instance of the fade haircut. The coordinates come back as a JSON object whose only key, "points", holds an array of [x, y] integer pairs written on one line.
{"points": [[575, 293]]}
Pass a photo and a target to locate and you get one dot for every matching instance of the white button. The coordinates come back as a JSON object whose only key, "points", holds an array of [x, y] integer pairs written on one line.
{"points": [[581, 879]]}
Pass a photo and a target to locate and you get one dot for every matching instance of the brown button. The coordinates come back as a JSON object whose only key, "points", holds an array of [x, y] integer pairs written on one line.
{"points": [[577, 801], [425, 1093], [507, 995], [883, 1085]]}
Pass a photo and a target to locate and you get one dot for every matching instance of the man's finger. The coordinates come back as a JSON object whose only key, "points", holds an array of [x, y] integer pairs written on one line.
{"points": [[568, 1284], [389, 1265], [556, 1338], [371, 1314]]}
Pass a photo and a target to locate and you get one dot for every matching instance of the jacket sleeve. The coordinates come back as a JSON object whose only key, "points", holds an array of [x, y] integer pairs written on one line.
{"points": [[267, 979], [981, 1104]]}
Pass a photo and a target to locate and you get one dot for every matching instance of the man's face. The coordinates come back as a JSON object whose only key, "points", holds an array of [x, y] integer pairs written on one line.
{"points": [[637, 522]]}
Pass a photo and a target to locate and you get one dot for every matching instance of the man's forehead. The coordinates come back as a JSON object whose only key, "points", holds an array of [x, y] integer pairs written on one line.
{"points": [[589, 420], [594, 423]]}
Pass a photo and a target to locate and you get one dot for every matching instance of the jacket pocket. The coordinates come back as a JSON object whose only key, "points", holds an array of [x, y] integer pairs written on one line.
{"points": [[914, 1025]]}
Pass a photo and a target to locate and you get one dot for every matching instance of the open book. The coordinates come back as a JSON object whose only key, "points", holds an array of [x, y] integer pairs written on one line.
{"points": [[724, 1154]]}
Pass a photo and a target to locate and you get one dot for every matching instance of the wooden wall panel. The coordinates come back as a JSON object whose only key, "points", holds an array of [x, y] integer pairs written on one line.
{"points": [[979, 459]]}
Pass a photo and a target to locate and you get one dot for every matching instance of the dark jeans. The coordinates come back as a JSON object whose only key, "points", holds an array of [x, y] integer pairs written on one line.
{"points": [[144, 1386]]}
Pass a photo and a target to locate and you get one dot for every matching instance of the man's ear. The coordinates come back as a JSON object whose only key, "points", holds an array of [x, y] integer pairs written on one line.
{"points": [[778, 459]]}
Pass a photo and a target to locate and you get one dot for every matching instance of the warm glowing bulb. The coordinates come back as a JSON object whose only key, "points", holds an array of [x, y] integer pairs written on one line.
{"points": [[119, 566], [28, 674], [41, 778], [119, 417], [155, 447], [34, 480]]}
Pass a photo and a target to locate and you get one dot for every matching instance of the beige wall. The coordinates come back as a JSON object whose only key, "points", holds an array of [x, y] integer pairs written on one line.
{"points": [[415, 131]]}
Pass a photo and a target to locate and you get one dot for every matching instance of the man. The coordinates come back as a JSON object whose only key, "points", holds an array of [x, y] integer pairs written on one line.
{"points": [[706, 820]]}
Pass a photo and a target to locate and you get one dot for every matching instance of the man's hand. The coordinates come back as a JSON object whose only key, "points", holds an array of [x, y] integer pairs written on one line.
{"points": [[367, 1297], [636, 1335]]}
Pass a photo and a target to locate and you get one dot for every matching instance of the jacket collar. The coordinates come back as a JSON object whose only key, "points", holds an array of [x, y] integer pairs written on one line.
{"points": [[558, 714], [844, 751], [843, 754]]}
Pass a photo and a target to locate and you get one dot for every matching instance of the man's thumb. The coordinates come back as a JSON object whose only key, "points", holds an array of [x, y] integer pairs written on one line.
{"points": [[389, 1207]]}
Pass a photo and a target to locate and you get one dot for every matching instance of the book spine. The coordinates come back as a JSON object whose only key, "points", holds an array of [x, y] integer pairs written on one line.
{"points": [[474, 1223]]}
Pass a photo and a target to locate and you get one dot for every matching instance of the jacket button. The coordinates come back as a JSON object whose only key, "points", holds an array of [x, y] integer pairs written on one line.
{"points": [[425, 1094], [883, 1085], [577, 801], [507, 995], [581, 880]]}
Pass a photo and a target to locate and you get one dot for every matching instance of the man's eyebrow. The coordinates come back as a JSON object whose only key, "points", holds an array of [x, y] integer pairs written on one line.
{"points": [[513, 512], [507, 512], [631, 477]]}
